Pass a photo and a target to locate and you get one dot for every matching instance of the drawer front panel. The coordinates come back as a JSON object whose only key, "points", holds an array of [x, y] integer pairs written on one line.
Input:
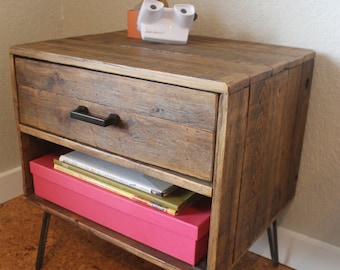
{"points": [[164, 125]]}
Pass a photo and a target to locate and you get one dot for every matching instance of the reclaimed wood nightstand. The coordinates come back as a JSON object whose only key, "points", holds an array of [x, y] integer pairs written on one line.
{"points": [[223, 118]]}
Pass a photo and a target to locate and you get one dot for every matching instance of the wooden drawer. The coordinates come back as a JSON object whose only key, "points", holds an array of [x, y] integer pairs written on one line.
{"points": [[164, 125]]}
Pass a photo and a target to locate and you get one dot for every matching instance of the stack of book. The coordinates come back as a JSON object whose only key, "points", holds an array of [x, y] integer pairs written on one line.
{"points": [[130, 184]]}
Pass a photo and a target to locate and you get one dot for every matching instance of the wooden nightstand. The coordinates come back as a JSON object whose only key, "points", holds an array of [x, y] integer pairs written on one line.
{"points": [[222, 118]]}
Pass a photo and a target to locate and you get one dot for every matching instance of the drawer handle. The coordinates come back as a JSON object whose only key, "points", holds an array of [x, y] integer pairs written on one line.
{"points": [[82, 113]]}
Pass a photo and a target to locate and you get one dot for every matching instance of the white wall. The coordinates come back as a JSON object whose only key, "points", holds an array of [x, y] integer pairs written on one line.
{"points": [[305, 23]]}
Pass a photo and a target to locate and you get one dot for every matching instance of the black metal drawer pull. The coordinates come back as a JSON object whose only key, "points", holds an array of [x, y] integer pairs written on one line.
{"points": [[82, 113]]}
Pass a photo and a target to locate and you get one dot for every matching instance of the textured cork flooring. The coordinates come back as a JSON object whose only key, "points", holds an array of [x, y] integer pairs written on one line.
{"points": [[69, 247]]}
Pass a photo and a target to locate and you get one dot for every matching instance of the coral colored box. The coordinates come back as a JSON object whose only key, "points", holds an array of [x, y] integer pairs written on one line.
{"points": [[184, 236], [133, 32]]}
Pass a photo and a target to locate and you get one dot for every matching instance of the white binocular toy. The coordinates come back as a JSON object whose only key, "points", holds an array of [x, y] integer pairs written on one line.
{"points": [[165, 25]]}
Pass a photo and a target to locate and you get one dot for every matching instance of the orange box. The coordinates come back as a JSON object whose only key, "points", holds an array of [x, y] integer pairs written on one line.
{"points": [[132, 24]]}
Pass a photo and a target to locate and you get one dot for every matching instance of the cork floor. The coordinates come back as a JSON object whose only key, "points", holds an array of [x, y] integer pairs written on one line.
{"points": [[69, 247]]}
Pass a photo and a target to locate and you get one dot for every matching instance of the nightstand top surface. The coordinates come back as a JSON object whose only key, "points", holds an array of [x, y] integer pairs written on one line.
{"points": [[204, 63]]}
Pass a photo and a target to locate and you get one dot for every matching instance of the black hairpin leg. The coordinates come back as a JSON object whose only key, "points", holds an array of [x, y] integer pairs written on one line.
{"points": [[42, 241], [273, 243]]}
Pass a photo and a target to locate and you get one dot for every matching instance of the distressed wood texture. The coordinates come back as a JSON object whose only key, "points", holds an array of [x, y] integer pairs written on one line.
{"points": [[222, 118], [226, 189], [163, 125], [277, 113]]}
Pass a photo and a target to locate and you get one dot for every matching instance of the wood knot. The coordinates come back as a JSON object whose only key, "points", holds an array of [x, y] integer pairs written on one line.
{"points": [[155, 110]]}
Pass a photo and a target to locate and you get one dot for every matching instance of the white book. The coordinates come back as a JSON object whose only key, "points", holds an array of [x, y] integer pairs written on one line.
{"points": [[117, 173]]}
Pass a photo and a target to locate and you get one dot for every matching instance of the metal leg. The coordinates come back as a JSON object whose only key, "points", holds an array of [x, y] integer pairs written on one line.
{"points": [[273, 243], [42, 241]]}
